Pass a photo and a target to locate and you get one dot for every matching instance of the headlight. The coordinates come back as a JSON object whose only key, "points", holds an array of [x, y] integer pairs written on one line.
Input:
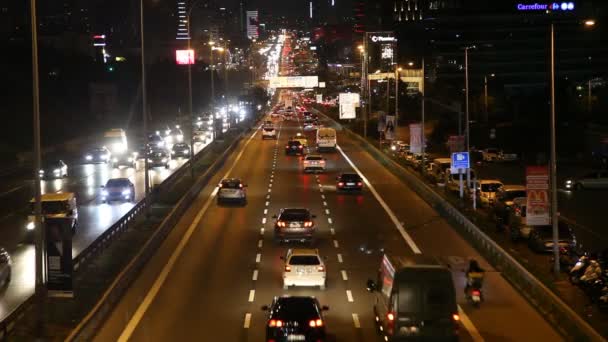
{"points": [[394, 148], [172, 152], [164, 160], [30, 226], [180, 137], [88, 157], [104, 193], [130, 159], [126, 192], [115, 160], [186, 151], [160, 144], [57, 171], [104, 156], [568, 181], [41, 172]]}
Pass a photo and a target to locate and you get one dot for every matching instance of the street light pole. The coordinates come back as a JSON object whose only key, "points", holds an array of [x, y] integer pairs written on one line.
{"points": [[144, 102], [397, 70], [191, 161], [553, 166], [466, 107], [39, 248], [423, 139], [485, 97]]}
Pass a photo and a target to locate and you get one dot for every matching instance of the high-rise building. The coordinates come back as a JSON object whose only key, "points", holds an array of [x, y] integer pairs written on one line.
{"points": [[182, 20]]}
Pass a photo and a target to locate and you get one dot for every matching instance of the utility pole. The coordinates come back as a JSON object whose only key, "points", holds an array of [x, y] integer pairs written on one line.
{"points": [[466, 107], [553, 166], [40, 289], [423, 139], [397, 70], [191, 161], [144, 102], [589, 104], [485, 97]]}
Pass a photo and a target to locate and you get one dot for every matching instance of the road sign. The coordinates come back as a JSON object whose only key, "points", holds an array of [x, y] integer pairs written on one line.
{"points": [[460, 161]]}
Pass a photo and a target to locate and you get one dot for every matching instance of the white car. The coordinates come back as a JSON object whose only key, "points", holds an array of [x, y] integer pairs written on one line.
{"points": [[309, 126], [269, 132], [487, 189], [231, 189], [314, 162], [304, 267]]}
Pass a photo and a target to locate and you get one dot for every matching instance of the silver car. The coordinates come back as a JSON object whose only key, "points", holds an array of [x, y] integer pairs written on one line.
{"points": [[232, 189], [5, 267], [592, 180]]}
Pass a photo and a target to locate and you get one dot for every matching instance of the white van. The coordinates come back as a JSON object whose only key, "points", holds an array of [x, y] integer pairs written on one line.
{"points": [[326, 138]]}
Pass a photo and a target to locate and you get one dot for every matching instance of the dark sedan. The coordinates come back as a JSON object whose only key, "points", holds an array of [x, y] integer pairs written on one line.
{"points": [[180, 150], [294, 224], [349, 181], [541, 238], [294, 318], [294, 147], [118, 189]]}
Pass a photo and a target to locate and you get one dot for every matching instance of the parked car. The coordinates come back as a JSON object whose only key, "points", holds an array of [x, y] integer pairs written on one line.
{"points": [[453, 181], [516, 222], [492, 154], [436, 169], [295, 318], [486, 191], [591, 180], [304, 267], [506, 197], [541, 238]]}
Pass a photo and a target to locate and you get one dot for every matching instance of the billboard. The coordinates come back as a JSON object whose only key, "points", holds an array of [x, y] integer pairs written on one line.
{"points": [[59, 267], [348, 103], [252, 25], [319, 98], [294, 82], [184, 57], [416, 138], [538, 211]]}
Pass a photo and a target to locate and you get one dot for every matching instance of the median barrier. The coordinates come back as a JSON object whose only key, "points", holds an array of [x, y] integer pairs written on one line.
{"points": [[553, 309]]}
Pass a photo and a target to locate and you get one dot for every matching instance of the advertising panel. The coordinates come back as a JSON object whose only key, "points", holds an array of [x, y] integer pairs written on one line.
{"points": [[538, 211], [319, 98], [59, 265], [252, 25], [389, 131], [416, 138], [184, 57], [294, 82], [456, 143], [348, 103]]}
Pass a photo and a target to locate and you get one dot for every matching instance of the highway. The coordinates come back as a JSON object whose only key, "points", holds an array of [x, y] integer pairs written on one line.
{"points": [[85, 180], [220, 263]]}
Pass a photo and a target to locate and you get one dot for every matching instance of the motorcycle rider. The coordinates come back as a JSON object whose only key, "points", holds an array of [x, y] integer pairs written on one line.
{"points": [[592, 272], [475, 276]]}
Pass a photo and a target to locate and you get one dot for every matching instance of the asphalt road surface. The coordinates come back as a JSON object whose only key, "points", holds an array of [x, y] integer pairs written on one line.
{"points": [[94, 217], [220, 263]]}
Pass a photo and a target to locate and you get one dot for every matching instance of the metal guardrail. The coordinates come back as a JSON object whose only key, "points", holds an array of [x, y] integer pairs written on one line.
{"points": [[556, 311], [91, 323], [97, 246]]}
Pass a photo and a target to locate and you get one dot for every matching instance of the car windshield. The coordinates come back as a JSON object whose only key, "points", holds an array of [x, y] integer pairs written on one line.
{"points": [[513, 194], [231, 184], [180, 146], [117, 183], [304, 260], [295, 309], [295, 215], [52, 207], [52, 164], [490, 187], [98, 150]]}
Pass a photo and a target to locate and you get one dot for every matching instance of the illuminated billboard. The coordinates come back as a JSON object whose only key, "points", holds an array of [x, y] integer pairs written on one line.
{"points": [[184, 57], [252, 25], [294, 82], [553, 6]]}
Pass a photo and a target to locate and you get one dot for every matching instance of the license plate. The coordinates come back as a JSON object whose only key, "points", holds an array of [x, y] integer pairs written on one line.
{"points": [[294, 225], [476, 298], [350, 184], [293, 147], [296, 338]]}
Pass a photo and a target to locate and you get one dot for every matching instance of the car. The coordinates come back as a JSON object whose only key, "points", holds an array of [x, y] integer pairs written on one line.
{"points": [[268, 123], [232, 189], [314, 162], [98, 155], [591, 180], [60, 205], [486, 191], [275, 116], [155, 141], [516, 222], [128, 159], [269, 132], [294, 224], [294, 147], [158, 158], [5, 267], [506, 197], [541, 238], [491, 154], [180, 150], [436, 170], [118, 189], [307, 115], [349, 181], [174, 135], [301, 138], [304, 267], [201, 136], [54, 169], [287, 116], [309, 125], [295, 318], [398, 146]]}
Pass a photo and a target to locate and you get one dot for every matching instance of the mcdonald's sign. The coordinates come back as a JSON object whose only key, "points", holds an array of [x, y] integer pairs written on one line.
{"points": [[538, 211]]}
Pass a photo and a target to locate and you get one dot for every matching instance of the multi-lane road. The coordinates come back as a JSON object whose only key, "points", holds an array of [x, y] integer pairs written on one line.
{"points": [[220, 264], [85, 180]]}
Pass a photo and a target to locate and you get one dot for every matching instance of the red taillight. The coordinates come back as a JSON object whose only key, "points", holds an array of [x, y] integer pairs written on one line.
{"points": [[390, 325], [341, 184], [390, 316], [275, 323], [287, 268], [476, 293], [456, 317], [240, 185], [308, 224], [220, 185], [286, 146], [321, 269], [281, 224], [300, 147], [315, 323], [359, 184]]}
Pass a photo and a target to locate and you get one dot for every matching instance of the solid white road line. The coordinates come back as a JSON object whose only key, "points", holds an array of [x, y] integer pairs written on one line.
{"points": [[340, 258], [344, 275], [260, 243], [468, 324], [258, 258], [255, 275], [251, 295], [247, 321], [356, 321], [162, 277], [391, 214], [336, 244], [349, 296]]}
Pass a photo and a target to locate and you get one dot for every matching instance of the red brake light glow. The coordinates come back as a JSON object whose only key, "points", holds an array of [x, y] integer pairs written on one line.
{"points": [[321, 269], [315, 323], [476, 293], [359, 184], [287, 268], [390, 316], [341, 184], [455, 317], [275, 323], [300, 146], [281, 224], [308, 224], [240, 185]]}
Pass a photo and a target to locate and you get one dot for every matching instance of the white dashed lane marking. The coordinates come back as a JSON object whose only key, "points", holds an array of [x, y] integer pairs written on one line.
{"points": [[264, 220], [327, 211], [262, 231], [330, 220], [247, 321], [349, 296], [265, 211], [251, 295], [258, 258], [267, 203], [324, 203], [356, 321], [255, 275], [333, 232], [336, 244], [344, 275], [323, 196], [340, 258], [260, 243]]}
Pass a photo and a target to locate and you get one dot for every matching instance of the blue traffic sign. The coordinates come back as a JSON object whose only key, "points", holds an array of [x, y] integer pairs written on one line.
{"points": [[460, 160]]}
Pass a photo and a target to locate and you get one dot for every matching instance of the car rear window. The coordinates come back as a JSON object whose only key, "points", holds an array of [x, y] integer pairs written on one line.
{"points": [[314, 158], [295, 215], [351, 177], [304, 260], [492, 187], [295, 309], [510, 195], [294, 142], [231, 184], [269, 129]]}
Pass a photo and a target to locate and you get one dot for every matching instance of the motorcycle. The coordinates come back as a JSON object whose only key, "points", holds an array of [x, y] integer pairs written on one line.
{"points": [[474, 296], [579, 268]]}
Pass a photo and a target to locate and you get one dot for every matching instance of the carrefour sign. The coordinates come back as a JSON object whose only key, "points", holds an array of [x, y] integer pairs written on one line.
{"points": [[376, 39], [554, 6]]}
